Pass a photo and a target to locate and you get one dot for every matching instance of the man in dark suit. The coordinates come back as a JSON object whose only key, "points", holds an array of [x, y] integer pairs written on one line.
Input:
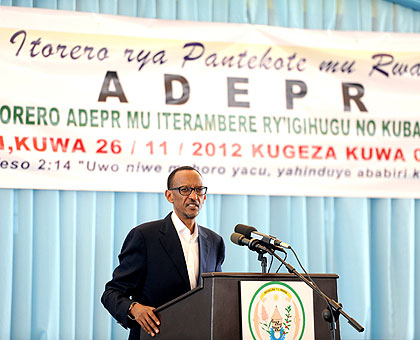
{"points": [[163, 259]]}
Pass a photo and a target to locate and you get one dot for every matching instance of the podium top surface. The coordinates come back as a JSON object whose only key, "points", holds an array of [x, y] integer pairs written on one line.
{"points": [[268, 275]]}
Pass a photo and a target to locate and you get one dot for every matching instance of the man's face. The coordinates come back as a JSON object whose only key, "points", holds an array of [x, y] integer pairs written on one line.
{"points": [[186, 207]]}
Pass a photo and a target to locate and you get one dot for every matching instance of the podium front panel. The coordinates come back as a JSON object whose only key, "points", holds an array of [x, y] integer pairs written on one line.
{"points": [[213, 310]]}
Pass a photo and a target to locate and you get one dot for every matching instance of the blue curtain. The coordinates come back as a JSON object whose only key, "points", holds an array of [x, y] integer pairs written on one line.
{"points": [[58, 248]]}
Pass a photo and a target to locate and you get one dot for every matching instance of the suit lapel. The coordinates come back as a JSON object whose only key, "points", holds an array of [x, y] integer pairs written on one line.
{"points": [[172, 245]]}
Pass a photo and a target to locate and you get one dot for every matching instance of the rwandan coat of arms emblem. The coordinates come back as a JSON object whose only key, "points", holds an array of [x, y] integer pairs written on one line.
{"points": [[276, 312]]}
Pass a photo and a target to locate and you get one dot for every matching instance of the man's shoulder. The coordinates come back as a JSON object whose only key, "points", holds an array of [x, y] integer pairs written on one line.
{"points": [[210, 233], [151, 226]]}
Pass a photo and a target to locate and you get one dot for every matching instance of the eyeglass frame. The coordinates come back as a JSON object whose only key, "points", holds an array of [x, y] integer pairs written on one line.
{"points": [[191, 190]]}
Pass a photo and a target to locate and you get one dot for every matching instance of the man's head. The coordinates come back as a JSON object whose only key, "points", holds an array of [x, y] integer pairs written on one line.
{"points": [[186, 192]]}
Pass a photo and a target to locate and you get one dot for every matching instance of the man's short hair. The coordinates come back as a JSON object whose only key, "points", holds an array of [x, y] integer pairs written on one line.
{"points": [[172, 174]]}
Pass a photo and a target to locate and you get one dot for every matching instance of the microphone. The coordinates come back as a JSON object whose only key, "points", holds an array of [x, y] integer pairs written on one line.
{"points": [[241, 240], [251, 232]]}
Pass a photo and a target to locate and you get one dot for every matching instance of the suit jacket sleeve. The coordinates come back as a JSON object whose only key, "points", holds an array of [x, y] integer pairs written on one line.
{"points": [[126, 277], [220, 255], [212, 251]]}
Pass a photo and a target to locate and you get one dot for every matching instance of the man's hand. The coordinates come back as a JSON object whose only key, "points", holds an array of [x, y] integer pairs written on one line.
{"points": [[146, 318]]}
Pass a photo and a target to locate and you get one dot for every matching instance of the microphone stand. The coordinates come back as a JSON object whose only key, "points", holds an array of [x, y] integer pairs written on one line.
{"points": [[337, 308], [263, 260], [261, 250]]}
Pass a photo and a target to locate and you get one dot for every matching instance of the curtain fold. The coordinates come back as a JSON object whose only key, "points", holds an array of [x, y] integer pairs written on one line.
{"points": [[58, 248], [6, 261]]}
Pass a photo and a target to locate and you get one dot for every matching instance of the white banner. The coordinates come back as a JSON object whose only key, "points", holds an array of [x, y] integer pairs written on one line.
{"points": [[98, 102]]}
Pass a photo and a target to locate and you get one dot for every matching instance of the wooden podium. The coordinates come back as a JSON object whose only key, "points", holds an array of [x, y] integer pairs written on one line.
{"points": [[212, 311]]}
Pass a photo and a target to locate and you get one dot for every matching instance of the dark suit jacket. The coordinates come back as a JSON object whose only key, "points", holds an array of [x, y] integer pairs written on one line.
{"points": [[152, 269]]}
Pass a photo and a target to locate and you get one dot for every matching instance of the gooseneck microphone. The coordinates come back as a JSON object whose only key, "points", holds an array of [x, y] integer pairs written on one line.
{"points": [[241, 240], [252, 233], [245, 235]]}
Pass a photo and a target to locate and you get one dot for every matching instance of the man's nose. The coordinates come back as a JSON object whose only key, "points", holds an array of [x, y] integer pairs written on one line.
{"points": [[193, 194]]}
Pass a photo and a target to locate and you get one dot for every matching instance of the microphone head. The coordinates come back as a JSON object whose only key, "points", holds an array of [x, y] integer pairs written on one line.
{"points": [[235, 238], [245, 230]]}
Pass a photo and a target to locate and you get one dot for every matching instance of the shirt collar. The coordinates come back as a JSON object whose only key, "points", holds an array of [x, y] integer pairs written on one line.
{"points": [[182, 228]]}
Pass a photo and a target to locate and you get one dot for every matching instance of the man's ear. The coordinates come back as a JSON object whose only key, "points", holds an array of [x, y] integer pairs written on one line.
{"points": [[169, 196]]}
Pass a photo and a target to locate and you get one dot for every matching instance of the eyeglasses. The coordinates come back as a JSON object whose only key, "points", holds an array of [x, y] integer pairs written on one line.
{"points": [[186, 191]]}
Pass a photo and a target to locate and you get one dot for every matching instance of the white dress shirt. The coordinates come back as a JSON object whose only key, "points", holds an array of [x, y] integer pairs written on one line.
{"points": [[189, 244]]}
